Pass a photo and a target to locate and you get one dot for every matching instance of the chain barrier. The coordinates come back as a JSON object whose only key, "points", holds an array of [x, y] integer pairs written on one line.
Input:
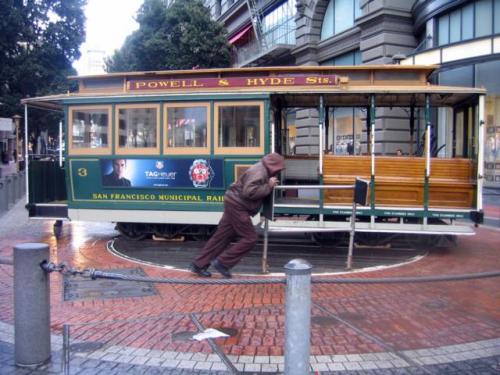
{"points": [[93, 274], [7, 261]]}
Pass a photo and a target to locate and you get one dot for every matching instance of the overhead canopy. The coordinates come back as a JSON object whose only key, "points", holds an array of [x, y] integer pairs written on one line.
{"points": [[240, 34]]}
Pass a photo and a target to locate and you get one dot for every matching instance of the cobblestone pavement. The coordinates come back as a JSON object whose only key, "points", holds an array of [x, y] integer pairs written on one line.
{"points": [[434, 328]]}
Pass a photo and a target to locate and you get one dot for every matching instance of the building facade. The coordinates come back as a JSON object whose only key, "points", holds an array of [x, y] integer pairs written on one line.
{"points": [[461, 36]]}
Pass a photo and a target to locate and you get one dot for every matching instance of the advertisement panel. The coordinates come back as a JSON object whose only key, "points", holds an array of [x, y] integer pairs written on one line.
{"points": [[172, 173]]}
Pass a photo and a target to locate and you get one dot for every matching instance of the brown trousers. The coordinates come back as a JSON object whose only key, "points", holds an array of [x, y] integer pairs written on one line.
{"points": [[235, 222]]}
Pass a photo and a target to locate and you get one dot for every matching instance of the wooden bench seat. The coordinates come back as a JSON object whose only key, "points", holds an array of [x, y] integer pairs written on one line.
{"points": [[399, 181]]}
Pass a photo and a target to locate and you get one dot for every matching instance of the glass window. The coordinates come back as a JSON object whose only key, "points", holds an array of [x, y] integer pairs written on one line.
{"points": [[443, 27], [89, 129], [474, 20], [278, 26], [349, 58], [468, 21], [483, 18], [187, 126], [462, 76], [239, 125], [327, 27], [339, 16], [487, 77], [497, 16], [357, 57], [345, 59], [357, 9], [137, 129], [492, 142], [344, 15], [345, 131], [455, 18]]}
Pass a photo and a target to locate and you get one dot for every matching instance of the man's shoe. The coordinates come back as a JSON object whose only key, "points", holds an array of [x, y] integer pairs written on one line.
{"points": [[222, 269], [200, 271]]}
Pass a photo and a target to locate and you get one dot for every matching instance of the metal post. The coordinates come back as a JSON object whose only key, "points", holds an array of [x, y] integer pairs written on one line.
{"points": [[297, 317], [427, 156], [26, 152], [480, 154], [66, 349], [321, 150], [31, 305], [17, 120], [60, 145], [265, 266], [372, 158], [351, 236]]}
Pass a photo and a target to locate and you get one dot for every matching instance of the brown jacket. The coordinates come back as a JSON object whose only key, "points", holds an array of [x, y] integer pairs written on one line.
{"points": [[253, 186]]}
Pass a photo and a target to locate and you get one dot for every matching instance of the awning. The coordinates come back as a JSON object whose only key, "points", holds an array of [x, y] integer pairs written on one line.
{"points": [[6, 124], [241, 34]]}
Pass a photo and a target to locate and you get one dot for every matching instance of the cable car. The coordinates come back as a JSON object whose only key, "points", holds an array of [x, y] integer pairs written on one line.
{"points": [[155, 151]]}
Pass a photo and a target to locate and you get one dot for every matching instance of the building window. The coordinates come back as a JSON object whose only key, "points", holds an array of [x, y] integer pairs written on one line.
{"points": [[349, 58], [278, 26], [89, 130], [239, 127], [187, 128], [339, 16], [137, 130], [473, 20]]}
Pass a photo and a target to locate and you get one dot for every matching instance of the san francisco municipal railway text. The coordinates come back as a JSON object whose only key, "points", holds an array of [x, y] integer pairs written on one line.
{"points": [[158, 197]]}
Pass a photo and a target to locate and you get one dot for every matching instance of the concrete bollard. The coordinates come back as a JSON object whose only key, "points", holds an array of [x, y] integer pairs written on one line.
{"points": [[297, 317], [3, 196], [15, 185], [31, 305], [23, 183], [9, 190]]}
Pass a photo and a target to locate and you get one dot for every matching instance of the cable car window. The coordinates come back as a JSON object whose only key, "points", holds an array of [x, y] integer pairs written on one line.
{"points": [[137, 130], [187, 126], [89, 130], [239, 127]]}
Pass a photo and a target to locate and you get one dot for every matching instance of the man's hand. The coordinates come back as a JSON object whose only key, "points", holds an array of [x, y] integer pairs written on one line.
{"points": [[273, 181]]}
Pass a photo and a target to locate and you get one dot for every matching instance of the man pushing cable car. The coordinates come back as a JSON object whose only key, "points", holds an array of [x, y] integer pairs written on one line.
{"points": [[242, 200]]}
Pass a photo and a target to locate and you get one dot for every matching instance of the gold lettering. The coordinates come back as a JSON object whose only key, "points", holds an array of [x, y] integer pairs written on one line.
{"points": [[152, 85], [289, 81], [139, 85], [175, 84], [215, 198], [196, 83], [311, 80], [251, 82]]}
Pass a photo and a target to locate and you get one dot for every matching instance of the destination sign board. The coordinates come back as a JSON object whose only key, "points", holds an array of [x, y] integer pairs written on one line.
{"points": [[168, 84]]}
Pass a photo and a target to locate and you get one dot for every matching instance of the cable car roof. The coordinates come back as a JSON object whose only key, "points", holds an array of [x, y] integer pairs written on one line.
{"points": [[392, 85]]}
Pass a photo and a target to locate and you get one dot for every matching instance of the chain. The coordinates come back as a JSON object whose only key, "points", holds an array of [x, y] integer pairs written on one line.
{"points": [[65, 269], [93, 274]]}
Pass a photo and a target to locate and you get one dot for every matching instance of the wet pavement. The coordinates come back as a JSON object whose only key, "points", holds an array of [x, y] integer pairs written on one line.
{"points": [[281, 248], [432, 328]]}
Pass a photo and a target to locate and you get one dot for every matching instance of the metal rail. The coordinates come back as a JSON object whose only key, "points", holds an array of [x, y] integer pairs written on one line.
{"points": [[312, 187], [333, 187], [92, 273]]}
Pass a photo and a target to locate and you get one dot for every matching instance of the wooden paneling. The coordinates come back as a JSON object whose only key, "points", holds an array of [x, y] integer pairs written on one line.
{"points": [[399, 181]]}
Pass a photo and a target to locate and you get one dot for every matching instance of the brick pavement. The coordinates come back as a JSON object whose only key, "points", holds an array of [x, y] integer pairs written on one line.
{"points": [[450, 327]]}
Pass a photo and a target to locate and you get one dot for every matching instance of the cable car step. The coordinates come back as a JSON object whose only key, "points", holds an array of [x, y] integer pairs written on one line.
{"points": [[332, 226]]}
